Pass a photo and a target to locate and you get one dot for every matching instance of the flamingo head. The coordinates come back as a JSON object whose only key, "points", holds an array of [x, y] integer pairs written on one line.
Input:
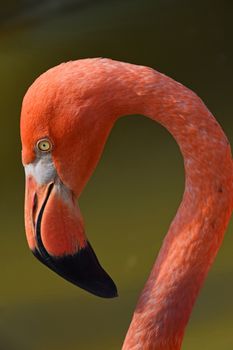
{"points": [[61, 144]]}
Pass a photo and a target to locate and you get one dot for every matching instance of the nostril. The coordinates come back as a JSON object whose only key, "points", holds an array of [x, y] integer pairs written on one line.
{"points": [[34, 209]]}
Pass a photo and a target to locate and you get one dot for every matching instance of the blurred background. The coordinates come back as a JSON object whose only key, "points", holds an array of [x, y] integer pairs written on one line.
{"points": [[135, 191]]}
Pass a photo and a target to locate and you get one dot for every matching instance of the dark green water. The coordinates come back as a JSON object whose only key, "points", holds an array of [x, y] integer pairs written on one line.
{"points": [[135, 191]]}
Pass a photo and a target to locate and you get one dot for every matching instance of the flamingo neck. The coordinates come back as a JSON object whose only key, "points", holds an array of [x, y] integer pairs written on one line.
{"points": [[196, 232]]}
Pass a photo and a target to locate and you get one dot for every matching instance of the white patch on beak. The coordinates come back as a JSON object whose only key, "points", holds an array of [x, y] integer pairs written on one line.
{"points": [[44, 172], [42, 169]]}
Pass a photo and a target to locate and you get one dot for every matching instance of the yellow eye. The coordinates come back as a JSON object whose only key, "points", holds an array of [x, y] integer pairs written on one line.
{"points": [[44, 145]]}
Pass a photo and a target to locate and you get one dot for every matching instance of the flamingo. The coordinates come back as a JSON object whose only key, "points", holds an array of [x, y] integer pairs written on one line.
{"points": [[67, 115]]}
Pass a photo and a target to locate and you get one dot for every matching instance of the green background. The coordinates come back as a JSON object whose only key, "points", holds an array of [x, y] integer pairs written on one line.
{"points": [[134, 193]]}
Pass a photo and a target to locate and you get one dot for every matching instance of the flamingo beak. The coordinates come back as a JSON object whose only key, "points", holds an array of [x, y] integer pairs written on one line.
{"points": [[55, 234]]}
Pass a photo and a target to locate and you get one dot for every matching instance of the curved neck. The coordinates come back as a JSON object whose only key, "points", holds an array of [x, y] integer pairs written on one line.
{"points": [[197, 231]]}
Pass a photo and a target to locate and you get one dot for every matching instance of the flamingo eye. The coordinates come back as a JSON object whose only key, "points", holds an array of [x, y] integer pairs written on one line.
{"points": [[44, 145]]}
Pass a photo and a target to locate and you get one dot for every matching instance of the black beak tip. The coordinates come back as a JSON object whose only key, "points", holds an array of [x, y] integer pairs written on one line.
{"points": [[82, 269], [104, 289]]}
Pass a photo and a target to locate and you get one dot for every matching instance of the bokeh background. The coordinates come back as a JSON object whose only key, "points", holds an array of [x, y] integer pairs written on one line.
{"points": [[135, 191]]}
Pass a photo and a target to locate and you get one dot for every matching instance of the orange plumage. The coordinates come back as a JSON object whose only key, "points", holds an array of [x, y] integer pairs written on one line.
{"points": [[75, 105]]}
